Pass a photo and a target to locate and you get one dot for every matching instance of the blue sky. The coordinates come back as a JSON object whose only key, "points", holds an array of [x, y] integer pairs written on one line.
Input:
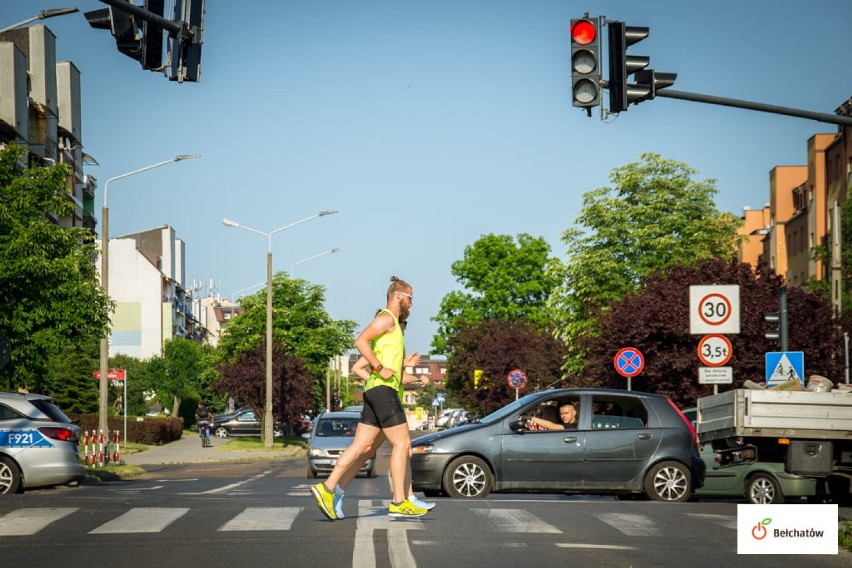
{"points": [[428, 124]]}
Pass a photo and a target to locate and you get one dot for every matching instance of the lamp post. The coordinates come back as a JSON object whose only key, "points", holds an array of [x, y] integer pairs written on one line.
{"points": [[331, 251], [267, 415], [104, 354], [44, 14]]}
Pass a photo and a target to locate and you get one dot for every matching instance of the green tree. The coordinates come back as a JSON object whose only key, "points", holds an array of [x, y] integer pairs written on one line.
{"points": [[656, 216], [49, 286], [299, 323], [176, 373], [70, 379], [505, 279]]}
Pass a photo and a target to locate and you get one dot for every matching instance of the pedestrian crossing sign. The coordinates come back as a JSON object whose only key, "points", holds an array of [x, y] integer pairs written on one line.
{"points": [[785, 366]]}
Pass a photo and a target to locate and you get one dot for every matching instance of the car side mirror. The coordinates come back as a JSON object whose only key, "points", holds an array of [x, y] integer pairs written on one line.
{"points": [[518, 425]]}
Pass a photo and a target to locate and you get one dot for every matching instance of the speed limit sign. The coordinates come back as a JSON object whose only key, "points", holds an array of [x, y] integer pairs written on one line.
{"points": [[714, 309], [714, 350]]}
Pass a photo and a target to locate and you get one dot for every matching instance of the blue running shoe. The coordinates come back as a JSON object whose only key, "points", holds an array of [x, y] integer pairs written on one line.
{"points": [[428, 505], [337, 500]]}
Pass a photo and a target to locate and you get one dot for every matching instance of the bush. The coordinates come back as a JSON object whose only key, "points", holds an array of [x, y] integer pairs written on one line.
{"points": [[150, 431]]}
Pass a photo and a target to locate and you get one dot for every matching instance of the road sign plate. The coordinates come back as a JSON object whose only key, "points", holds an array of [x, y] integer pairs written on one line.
{"points": [[715, 375], [629, 362], [714, 350], [714, 309], [785, 366]]}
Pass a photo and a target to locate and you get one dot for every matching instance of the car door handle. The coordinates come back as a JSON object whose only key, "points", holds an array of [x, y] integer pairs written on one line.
{"points": [[569, 439], [643, 436]]}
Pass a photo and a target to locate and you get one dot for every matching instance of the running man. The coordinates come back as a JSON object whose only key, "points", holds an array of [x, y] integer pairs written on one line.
{"points": [[382, 344]]}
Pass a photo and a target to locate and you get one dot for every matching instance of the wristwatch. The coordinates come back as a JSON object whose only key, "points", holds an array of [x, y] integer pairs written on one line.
{"points": [[378, 368]]}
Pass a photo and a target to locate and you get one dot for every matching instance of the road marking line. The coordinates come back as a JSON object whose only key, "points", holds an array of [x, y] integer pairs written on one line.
{"points": [[142, 520], [603, 546], [375, 517], [727, 521], [263, 519], [515, 521], [30, 521]]}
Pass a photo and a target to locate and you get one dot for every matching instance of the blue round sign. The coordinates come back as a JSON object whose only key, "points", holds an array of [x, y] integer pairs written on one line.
{"points": [[629, 362]]}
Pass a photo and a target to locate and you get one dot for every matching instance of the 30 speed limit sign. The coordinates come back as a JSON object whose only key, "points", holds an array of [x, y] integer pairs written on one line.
{"points": [[714, 350], [714, 309]]}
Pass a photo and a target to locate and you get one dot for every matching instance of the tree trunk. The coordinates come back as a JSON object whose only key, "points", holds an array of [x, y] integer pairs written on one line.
{"points": [[176, 407]]}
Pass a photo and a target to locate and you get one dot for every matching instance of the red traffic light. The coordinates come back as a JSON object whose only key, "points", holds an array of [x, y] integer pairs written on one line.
{"points": [[583, 32]]}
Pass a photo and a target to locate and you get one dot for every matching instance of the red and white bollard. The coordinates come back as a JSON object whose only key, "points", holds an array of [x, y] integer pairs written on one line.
{"points": [[86, 448], [115, 441], [101, 448]]}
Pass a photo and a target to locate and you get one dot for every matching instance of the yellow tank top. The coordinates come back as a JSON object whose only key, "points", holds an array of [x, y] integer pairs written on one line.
{"points": [[390, 350]]}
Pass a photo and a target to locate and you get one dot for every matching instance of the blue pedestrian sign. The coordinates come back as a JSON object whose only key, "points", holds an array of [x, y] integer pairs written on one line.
{"points": [[785, 366]]}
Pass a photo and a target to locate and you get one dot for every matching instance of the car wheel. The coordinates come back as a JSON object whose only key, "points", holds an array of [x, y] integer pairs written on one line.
{"points": [[468, 477], [763, 489], [10, 477], [221, 432], [668, 481], [311, 473]]}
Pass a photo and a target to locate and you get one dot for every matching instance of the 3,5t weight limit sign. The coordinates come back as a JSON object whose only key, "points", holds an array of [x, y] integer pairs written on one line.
{"points": [[714, 350], [714, 309]]}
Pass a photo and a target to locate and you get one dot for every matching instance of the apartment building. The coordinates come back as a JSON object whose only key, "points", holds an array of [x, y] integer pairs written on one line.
{"points": [[40, 109]]}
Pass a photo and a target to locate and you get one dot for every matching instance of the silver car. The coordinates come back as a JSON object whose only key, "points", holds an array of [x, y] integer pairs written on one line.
{"points": [[38, 443], [332, 433]]}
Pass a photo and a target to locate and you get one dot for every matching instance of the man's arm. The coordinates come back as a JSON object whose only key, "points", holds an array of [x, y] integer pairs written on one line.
{"points": [[382, 324]]}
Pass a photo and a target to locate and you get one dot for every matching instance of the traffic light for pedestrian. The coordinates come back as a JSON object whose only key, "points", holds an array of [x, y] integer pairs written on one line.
{"points": [[622, 91], [585, 62], [136, 39], [185, 52]]}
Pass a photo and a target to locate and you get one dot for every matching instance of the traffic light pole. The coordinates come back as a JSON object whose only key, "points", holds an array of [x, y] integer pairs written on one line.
{"points": [[750, 105]]}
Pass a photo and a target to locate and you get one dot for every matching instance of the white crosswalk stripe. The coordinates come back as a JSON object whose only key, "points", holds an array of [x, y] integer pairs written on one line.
{"points": [[25, 522], [263, 519], [631, 525], [727, 521], [515, 521], [142, 520]]}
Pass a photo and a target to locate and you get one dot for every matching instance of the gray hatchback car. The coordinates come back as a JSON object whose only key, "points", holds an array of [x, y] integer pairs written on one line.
{"points": [[38, 443], [332, 433], [623, 442]]}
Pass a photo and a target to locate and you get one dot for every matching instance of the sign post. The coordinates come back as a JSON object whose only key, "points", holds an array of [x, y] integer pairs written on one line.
{"points": [[117, 375], [629, 362]]}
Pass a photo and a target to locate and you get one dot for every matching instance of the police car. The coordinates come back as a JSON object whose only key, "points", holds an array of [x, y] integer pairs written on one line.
{"points": [[38, 443]]}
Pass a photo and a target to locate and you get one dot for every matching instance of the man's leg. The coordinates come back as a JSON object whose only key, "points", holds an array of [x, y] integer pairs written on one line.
{"points": [[353, 470], [400, 440], [365, 438]]}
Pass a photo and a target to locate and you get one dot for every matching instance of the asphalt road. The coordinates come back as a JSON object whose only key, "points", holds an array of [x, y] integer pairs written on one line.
{"points": [[260, 513]]}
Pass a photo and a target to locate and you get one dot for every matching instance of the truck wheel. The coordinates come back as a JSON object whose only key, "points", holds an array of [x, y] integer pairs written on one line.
{"points": [[668, 481], [10, 476], [468, 477], [763, 489]]}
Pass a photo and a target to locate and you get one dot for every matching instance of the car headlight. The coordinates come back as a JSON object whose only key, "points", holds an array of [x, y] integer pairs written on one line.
{"points": [[424, 449], [317, 453]]}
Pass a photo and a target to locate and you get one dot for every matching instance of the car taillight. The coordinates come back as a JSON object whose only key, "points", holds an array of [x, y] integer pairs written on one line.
{"points": [[63, 434], [688, 424]]}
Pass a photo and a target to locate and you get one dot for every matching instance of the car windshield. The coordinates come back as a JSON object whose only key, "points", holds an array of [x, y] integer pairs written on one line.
{"points": [[336, 427], [51, 410]]}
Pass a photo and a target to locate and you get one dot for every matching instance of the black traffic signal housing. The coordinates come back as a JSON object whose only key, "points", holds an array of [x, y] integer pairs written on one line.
{"points": [[773, 331], [621, 66], [585, 62], [185, 52], [138, 40]]}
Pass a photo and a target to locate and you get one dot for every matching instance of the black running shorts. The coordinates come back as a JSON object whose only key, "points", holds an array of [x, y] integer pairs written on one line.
{"points": [[382, 408]]}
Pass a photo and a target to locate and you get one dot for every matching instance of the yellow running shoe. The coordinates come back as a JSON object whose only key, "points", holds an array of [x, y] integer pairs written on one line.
{"points": [[325, 500], [406, 509]]}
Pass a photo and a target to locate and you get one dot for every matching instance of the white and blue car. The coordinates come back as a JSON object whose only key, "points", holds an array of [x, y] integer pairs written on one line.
{"points": [[38, 444]]}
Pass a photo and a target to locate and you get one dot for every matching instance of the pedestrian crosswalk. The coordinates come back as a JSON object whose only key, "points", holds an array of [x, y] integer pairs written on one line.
{"points": [[371, 516]]}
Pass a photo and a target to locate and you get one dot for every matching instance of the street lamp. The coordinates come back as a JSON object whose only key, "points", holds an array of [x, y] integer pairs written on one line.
{"points": [[332, 251], [267, 416], [44, 14], [104, 355]]}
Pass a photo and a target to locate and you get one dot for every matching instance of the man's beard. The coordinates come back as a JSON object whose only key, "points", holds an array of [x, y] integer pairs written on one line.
{"points": [[403, 312]]}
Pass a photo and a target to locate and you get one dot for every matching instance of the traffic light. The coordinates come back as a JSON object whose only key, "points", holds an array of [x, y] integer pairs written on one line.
{"points": [[621, 66], [585, 62], [185, 55], [774, 329], [136, 39]]}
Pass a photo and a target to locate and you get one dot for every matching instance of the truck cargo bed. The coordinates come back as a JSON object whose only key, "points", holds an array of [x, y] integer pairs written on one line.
{"points": [[780, 414]]}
